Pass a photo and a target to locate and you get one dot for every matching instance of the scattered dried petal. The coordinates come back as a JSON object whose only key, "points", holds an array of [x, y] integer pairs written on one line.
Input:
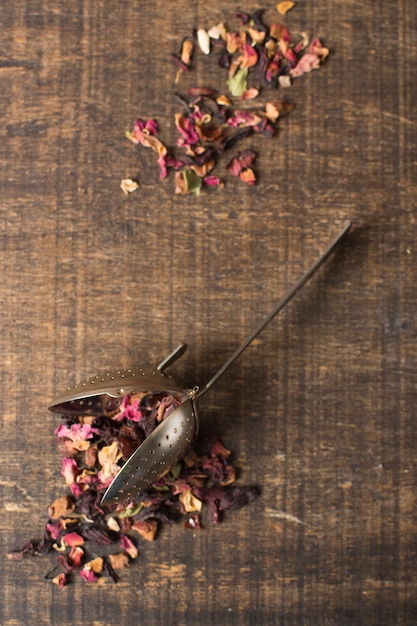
{"points": [[218, 32], [75, 556], [284, 7], [240, 162], [96, 565], [118, 561], [87, 574], [190, 502], [203, 40], [146, 529], [284, 81], [187, 51], [247, 176], [113, 524], [73, 539], [223, 101], [61, 580], [129, 547], [60, 507], [128, 185]]}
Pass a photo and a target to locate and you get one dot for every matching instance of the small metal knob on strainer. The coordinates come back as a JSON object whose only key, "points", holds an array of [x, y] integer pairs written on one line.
{"points": [[170, 440]]}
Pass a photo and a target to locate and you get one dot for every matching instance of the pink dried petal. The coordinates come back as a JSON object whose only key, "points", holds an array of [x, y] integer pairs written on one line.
{"points": [[73, 539], [308, 62], [88, 575], [142, 130], [316, 47], [129, 409], [240, 162], [249, 58], [69, 470], [54, 529], [76, 490], [185, 126], [243, 118], [76, 432], [128, 546], [250, 94], [75, 556], [213, 181]]}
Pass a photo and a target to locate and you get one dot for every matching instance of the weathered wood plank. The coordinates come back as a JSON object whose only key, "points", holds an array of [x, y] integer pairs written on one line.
{"points": [[320, 413]]}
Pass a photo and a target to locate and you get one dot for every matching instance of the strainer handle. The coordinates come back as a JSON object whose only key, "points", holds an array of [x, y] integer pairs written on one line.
{"points": [[280, 305]]}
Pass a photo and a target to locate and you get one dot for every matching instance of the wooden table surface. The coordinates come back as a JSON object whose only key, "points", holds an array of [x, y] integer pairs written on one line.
{"points": [[321, 412]]}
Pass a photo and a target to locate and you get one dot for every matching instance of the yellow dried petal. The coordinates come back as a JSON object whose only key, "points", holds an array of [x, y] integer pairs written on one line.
{"points": [[118, 561], [284, 7], [109, 454], [187, 51], [96, 565], [223, 101], [190, 502], [60, 507]]}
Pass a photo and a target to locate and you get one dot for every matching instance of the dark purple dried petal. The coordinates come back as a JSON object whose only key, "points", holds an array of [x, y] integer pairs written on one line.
{"points": [[110, 571], [232, 139], [100, 536], [179, 63]]}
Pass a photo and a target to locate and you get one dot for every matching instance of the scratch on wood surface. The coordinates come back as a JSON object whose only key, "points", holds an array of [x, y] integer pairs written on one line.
{"points": [[286, 516], [13, 507], [163, 573], [9, 484]]}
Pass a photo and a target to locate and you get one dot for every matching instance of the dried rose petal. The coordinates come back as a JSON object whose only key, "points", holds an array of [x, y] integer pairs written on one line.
{"points": [[73, 539], [185, 126], [240, 162], [69, 470], [88, 575], [61, 580], [75, 556], [54, 529], [129, 547], [90, 456], [213, 181]]}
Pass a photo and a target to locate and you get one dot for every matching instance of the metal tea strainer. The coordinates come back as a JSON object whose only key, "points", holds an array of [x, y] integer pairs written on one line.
{"points": [[170, 440]]}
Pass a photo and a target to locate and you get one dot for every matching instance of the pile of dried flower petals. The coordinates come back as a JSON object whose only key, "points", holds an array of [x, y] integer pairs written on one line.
{"points": [[212, 120], [93, 541]]}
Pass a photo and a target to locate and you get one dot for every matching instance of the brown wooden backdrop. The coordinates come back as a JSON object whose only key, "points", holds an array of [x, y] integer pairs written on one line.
{"points": [[321, 413]]}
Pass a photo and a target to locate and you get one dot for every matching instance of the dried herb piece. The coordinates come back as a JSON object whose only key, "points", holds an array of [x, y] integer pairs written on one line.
{"points": [[252, 57], [284, 7], [92, 541]]}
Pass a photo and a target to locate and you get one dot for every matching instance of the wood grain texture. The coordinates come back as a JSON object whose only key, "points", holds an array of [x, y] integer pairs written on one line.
{"points": [[320, 413]]}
